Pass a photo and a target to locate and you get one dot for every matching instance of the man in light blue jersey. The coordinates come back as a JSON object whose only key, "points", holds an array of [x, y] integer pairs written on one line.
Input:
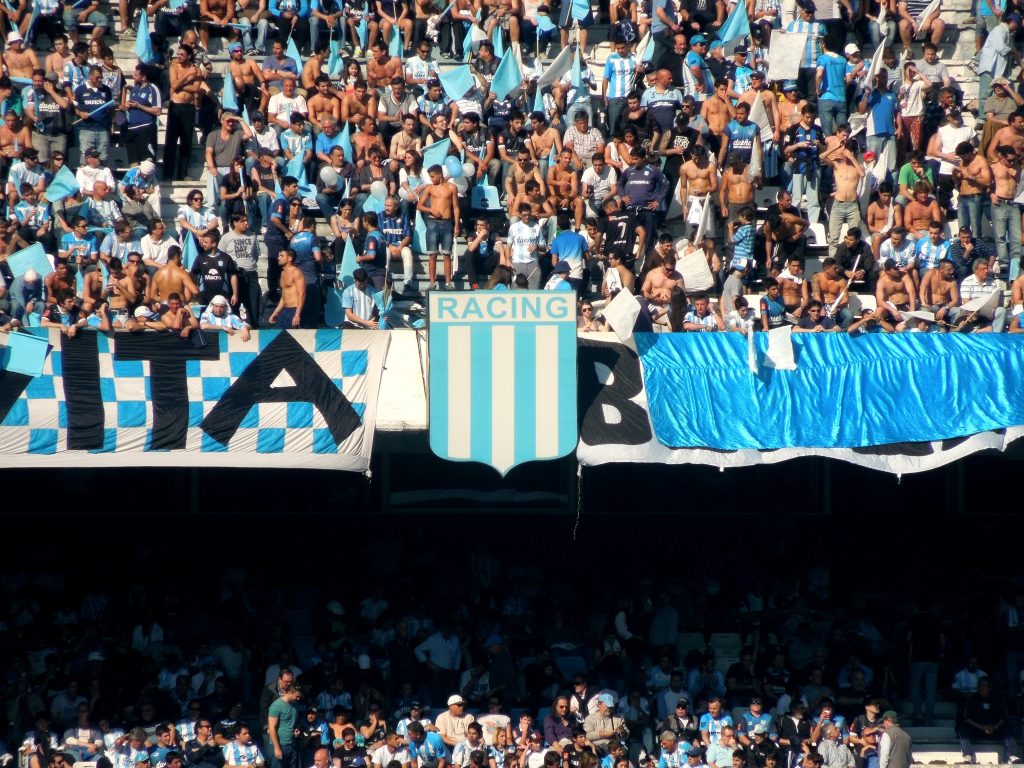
{"points": [[929, 251], [815, 31], [619, 76], [426, 749]]}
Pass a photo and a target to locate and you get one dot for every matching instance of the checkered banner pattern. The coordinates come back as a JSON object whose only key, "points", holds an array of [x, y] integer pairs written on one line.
{"points": [[281, 399]]}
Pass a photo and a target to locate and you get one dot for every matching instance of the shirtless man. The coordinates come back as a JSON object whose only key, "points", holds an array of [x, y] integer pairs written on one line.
{"points": [[313, 69], [701, 178], [358, 105], [94, 290], [20, 61], [176, 317], [921, 211], [848, 170], [323, 104], [288, 312], [171, 279], [15, 137], [737, 190], [795, 289], [939, 292], [533, 196], [879, 225], [758, 90], [61, 55], [791, 107], [828, 286], [60, 279], [660, 282], [543, 137], [718, 111], [895, 290], [564, 184], [120, 293], [439, 204], [382, 68], [214, 13], [523, 171], [972, 178], [1006, 174], [1010, 135], [368, 139], [248, 77], [784, 232]]}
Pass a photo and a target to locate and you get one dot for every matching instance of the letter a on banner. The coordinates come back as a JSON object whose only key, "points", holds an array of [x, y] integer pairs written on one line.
{"points": [[502, 376]]}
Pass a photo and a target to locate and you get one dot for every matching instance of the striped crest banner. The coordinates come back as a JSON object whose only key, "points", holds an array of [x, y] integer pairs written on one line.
{"points": [[502, 376]]}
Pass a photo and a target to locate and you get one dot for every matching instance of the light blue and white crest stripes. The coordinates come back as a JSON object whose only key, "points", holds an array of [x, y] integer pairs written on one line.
{"points": [[502, 376]]}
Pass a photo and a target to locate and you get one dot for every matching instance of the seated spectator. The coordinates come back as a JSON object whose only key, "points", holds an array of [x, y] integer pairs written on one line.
{"points": [[218, 317], [985, 719]]}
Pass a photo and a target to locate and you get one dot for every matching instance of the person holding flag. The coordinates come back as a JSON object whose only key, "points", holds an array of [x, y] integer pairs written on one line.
{"points": [[292, 20], [94, 106]]}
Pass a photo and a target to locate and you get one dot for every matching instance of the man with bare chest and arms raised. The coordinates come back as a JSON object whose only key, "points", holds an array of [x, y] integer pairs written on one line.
{"points": [[717, 111], [172, 278], [939, 292], [847, 171]]}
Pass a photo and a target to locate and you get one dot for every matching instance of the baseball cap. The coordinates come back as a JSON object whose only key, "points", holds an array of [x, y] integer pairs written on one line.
{"points": [[604, 698], [790, 85], [494, 639], [694, 752], [234, 47], [455, 699], [139, 312], [415, 705], [683, 703], [562, 268], [759, 729], [258, 116], [1008, 18], [142, 757], [869, 156], [851, 49], [741, 50], [807, 5], [698, 39], [14, 37], [889, 264], [148, 167], [92, 152]]}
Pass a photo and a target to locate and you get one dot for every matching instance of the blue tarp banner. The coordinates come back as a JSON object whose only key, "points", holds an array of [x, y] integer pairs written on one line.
{"points": [[846, 392]]}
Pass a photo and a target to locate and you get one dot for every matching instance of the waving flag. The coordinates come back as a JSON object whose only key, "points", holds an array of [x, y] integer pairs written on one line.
{"points": [[143, 42], [334, 62], [362, 29], [297, 168], [737, 25], [64, 184], [436, 152], [498, 42], [646, 48], [507, 77], [538, 100], [230, 98], [556, 68], [101, 108], [346, 143], [292, 52], [348, 264], [457, 82], [395, 46], [188, 250]]}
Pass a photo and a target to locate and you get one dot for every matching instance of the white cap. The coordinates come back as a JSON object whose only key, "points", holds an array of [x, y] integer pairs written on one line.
{"points": [[455, 699], [148, 167], [143, 311], [851, 48], [14, 37]]}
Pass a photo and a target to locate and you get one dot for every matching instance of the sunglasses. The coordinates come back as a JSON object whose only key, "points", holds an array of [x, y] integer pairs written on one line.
{"points": [[195, 199]]}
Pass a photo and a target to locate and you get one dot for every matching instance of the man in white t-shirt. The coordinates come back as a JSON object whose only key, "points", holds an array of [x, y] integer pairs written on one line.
{"points": [[283, 104], [521, 248], [392, 749], [599, 182]]}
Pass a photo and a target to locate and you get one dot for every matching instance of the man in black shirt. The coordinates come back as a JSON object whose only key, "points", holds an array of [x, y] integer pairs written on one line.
{"points": [[618, 228], [784, 232], [854, 250], [573, 753], [674, 60], [350, 755], [214, 271], [203, 750]]}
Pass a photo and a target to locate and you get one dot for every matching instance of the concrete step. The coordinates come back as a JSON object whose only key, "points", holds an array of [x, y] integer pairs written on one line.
{"points": [[944, 709], [950, 754], [931, 734]]}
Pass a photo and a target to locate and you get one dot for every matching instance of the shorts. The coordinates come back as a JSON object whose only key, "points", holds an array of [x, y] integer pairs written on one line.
{"points": [[565, 17], [983, 25], [285, 318], [95, 18], [439, 236]]}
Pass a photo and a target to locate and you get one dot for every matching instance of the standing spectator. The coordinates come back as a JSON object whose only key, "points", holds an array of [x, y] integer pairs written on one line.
{"points": [[281, 719]]}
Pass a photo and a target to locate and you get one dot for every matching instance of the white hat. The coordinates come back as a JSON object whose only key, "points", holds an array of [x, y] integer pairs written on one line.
{"points": [[455, 699], [148, 167], [851, 49], [143, 311], [14, 37], [218, 299]]}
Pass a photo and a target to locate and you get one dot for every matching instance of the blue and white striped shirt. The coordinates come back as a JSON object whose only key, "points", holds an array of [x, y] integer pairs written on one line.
{"points": [[928, 253], [620, 72], [235, 754], [815, 32], [46, 7]]}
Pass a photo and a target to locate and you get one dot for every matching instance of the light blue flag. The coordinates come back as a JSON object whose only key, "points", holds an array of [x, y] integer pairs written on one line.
{"points": [[346, 143], [538, 100], [21, 80], [457, 82], [230, 98], [189, 251], [362, 29], [25, 353], [576, 78], [348, 264], [64, 184], [101, 108], [498, 42], [176, 4], [292, 52], [467, 55], [373, 205], [507, 77], [419, 234], [444, 13], [334, 62], [737, 25], [80, 278], [484, 196], [648, 53], [245, 116], [297, 169], [143, 42], [436, 153], [395, 46], [33, 257], [544, 23]]}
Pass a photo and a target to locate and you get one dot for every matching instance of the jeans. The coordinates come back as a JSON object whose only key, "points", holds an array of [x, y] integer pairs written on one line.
{"points": [[877, 34], [832, 113], [879, 144], [319, 26], [289, 756], [848, 212], [328, 204], [969, 214], [968, 734], [807, 183], [924, 674], [532, 271], [98, 138], [1006, 222], [615, 109], [47, 145], [262, 27]]}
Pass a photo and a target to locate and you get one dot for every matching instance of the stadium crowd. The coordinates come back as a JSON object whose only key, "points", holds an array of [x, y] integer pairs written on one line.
{"points": [[560, 161], [518, 673]]}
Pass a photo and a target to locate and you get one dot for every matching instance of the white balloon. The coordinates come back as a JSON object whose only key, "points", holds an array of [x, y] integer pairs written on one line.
{"points": [[444, 172], [329, 177], [468, 169], [379, 190], [403, 193], [461, 184]]}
